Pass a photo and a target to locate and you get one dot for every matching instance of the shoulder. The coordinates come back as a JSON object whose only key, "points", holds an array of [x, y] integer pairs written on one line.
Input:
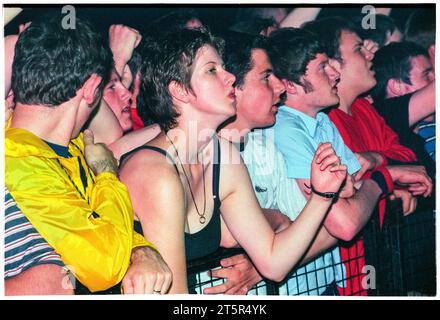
{"points": [[149, 168]]}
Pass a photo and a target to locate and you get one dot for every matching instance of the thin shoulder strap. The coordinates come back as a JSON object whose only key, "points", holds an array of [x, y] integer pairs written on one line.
{"points": [[216, 172], [162, 151]]}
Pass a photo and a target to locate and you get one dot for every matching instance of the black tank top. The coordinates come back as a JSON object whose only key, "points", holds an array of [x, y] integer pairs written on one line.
{"points": [[207, 240]]}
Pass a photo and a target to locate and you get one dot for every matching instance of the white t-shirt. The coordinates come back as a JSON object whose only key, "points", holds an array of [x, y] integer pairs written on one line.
{"points": [[274, 190]]}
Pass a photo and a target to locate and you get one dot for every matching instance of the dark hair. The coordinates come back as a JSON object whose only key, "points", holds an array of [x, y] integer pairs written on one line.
{"points": [[290, 51], [172, 21], [238, 53], [51, 63], [243, 14], [253, 26], [420, 27], [329, 30], [394, 61], [168, 57], [384, 25], [134, 64]]}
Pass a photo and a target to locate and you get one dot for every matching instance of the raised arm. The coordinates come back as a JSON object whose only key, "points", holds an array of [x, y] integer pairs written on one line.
{"points": [[298, 16], [122, 41]]}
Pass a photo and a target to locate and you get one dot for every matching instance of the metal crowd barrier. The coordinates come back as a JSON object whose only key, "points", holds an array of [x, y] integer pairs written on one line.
{"points": [[401, 253]]}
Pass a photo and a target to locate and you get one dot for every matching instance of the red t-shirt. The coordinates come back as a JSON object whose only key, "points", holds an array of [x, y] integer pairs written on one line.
{"points": [[363, 131], [137, 121]]}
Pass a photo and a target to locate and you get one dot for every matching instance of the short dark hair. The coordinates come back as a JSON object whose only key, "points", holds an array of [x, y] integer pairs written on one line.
{"points": [[291, 50], [394, 61], [329, 30], [384, 25], [51, 63], [238, 53], [134, 64], [420, 27], [172, 21], [168, 57], [253, 26]]}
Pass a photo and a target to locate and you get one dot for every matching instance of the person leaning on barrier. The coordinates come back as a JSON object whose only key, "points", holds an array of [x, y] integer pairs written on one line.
{"points": [[184, 85], [364, 131], [64, 183]]}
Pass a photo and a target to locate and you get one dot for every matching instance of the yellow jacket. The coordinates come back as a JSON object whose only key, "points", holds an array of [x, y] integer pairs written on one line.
{"points": [[91, 229]]}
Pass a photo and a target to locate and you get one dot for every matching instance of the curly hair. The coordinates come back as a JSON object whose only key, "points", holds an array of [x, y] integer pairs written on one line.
{"points": [[52, 63]]}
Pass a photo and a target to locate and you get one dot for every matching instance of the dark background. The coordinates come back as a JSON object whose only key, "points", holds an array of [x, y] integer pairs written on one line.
{"points": [[216, 17]]}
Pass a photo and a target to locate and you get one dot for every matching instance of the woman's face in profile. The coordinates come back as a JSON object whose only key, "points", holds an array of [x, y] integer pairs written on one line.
{"points": [[211, 84]]}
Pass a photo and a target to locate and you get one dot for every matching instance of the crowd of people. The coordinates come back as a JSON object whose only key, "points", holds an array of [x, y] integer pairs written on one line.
{"points": [[131, 153]]}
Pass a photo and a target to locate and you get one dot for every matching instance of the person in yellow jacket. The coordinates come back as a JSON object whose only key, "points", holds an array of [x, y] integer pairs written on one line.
{"points": [[65, 184]]}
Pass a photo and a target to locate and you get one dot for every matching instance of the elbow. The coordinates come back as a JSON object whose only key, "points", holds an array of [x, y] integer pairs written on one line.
{"points": [[271, 272], [348, 233], [342, 229]]}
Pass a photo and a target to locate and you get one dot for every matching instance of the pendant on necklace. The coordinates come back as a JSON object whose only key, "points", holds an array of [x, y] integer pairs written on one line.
{"points": [[202, 219]]}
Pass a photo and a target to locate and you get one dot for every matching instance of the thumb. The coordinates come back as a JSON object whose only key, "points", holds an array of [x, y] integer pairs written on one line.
{"points": [[358, 176], [88, 137]]}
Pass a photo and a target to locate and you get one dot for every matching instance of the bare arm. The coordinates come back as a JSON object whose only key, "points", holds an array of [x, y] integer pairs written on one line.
{"points": [[268, 250], [322, 243], [122, 41], [105, 125], [298, 16], [133, 140], [44, 279], [151, 180], [348, 216], [421, 104]]}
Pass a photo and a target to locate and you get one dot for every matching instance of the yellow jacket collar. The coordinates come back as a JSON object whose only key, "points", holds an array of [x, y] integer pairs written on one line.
{"points": [[22, 143]]}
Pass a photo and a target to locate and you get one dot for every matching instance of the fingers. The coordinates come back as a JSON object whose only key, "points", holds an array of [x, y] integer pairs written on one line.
{"points": [[221, 288], [324, 150], [23, 27], [221, 273], [139, 286], [138, 38], [331, 159], [342, 167], [406, 203], [158, 284], [88, 137], [127, 286], [231, 261], [361, 173]]}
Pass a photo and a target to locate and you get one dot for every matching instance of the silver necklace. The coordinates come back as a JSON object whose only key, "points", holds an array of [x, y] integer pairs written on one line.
{"points": [[202, 218]]}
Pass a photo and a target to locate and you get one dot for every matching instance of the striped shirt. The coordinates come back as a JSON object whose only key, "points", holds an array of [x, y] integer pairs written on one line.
{"points": [[427, 132], [24, 246]]}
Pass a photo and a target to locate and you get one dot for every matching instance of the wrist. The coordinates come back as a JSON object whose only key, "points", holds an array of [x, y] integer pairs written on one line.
{"points": [[140, 253], [102, 166], [383, 180], [325, 195], [317, 198]]}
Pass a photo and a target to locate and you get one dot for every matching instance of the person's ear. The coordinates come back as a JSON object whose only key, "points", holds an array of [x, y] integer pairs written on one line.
{"points": [[335, 64], [291, 87], [178, 92], [90, 88], [431, 52], [396, 88]]}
